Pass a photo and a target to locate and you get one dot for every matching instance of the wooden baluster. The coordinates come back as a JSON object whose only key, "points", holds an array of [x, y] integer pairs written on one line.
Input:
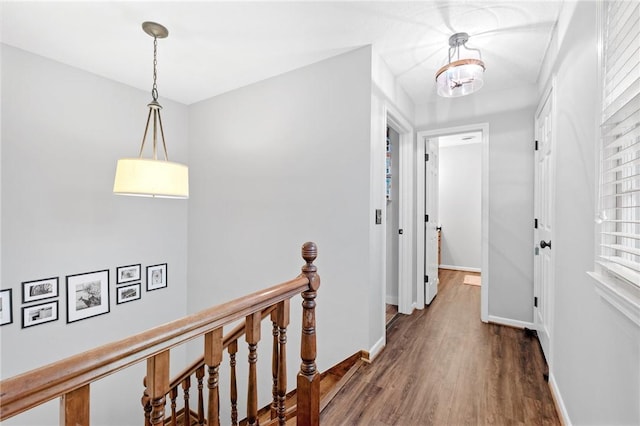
{"points": [[200, 376], [213, 358], [74, 407], [158, 385], [252, 334], [274, 366], [173, 395], [282, 318], [186, 417], [146, 403], [233, 350], [308, 411]]}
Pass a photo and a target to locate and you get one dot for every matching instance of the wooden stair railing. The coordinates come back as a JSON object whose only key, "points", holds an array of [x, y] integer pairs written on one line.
{"points": [[70, 378], [229, 343]]}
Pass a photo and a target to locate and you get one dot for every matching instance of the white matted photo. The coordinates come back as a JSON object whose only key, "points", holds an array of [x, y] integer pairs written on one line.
{"points": [[128, 293], [156, 276], [39, 289], [39, 314], [6, 307], [129, 273], [87, 295]]}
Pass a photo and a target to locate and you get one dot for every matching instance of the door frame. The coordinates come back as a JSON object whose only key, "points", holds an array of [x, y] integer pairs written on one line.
{"points": [[420, 196], [396, 121]]}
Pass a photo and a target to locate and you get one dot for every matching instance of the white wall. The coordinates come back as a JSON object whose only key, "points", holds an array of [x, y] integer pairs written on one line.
{"points": [[595, 363], [62, 131], [511, 134], [460, 168], [273, 165]]}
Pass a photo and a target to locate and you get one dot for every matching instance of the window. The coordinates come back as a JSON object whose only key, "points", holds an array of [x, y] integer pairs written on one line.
{"points": [[619, 200]]}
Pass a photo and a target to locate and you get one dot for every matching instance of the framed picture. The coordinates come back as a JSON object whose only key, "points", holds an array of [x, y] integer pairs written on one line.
{"points": [[39, 314], [128, 293], [87, 295], [127, 274], [39, 290], [6, 307], [156, 276]]}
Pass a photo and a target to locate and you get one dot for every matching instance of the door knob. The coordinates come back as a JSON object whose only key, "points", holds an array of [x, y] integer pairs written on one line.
{"points": [[544, 244]]}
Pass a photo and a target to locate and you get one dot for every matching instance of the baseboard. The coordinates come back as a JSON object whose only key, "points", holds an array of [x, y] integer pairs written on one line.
{"points": [[511, 322], [460, 268], [392, 300], [557, 399], [374, 351]]}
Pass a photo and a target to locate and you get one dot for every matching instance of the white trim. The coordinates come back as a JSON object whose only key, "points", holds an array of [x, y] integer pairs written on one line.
{"points": [[510, 322], [460, 268], [419, 225], [376, 349], [564, 414], [395, 120], [419, 184], [622, 300], [484, 290], [391, 300]]}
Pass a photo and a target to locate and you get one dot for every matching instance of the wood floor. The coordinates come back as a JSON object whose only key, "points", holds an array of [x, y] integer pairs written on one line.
{"points": [[443, 366]]}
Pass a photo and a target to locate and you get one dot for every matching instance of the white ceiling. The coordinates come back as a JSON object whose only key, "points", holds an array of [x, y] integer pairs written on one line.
{"points": [[214, 47]]}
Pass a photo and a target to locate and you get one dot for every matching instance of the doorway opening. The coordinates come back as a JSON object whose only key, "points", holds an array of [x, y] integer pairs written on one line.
{"points": [[431, 250], [392, 224], [397, 212], [458, 195]]}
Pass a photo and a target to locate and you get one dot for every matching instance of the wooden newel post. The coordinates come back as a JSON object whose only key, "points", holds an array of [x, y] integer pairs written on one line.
{"points": [[308, 412]]}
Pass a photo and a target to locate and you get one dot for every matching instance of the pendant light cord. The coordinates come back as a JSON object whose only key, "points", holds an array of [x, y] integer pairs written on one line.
{"points": [[154, 90], [154, 111]]}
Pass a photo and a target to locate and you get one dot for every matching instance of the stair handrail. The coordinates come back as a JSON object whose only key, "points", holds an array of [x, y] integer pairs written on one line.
{"points": [[30, 389]]}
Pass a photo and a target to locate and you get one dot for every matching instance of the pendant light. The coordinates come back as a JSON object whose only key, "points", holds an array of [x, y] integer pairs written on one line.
{"points": [[462, 76], [151, 177]]}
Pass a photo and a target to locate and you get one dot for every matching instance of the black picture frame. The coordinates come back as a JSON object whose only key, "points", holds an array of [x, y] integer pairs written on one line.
{"points": [[39, 314], [43, 289], [87, 295], [6, 307], [128, 293], [128, 273], [157, 277]]}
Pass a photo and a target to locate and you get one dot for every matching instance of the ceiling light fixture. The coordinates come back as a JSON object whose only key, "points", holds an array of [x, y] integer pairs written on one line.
{"points": [[462, 76], [150, 177]]}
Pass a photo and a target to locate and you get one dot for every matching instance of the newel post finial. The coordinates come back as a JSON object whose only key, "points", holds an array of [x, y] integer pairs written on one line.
{"points": [[308, 405], [309, 254]]}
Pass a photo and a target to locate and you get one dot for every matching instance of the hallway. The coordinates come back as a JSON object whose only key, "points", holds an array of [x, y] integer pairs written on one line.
{"points": [[443, 366]]}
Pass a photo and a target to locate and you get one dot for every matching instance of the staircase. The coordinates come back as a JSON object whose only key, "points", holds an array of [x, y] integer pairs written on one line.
{"points": [[70, 379], [331, 382]]}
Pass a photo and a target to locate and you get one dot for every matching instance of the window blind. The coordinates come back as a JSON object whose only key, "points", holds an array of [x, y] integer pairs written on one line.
{"points": [[620, 142]]}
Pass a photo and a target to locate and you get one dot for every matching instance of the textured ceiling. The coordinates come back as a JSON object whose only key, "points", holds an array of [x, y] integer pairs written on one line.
{"points": [[214, 47]]}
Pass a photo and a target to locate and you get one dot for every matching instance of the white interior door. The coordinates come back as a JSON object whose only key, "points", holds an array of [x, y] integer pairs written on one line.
{"points": [[543, 224], [431, 220]]}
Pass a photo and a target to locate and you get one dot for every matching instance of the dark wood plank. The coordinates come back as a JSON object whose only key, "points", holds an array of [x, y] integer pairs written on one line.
{"points": [[390, 313], [443, 366]]}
